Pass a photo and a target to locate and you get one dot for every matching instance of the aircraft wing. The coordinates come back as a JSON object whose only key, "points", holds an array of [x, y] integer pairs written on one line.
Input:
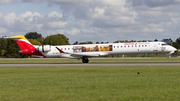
{"points": [[81, 54]]}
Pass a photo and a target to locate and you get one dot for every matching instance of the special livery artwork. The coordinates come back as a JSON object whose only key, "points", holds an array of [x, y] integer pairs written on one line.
{"points": [[96, 48]]}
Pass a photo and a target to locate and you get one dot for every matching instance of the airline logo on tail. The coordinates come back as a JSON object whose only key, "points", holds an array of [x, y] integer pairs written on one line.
{"points": [[26, 46]]}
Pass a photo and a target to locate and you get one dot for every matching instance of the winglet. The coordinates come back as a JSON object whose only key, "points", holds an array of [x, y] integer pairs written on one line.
{"points": [[60, 50]]}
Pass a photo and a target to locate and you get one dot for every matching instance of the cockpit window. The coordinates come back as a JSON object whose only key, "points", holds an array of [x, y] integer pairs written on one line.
{"points": [[164, 44]]}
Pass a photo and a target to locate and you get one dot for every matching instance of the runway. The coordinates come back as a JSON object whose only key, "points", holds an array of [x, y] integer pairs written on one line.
{"points": [[148, 64]]}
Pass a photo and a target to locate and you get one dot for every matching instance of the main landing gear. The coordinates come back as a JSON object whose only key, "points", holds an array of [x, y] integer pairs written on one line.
{"points": [[85, 59]]}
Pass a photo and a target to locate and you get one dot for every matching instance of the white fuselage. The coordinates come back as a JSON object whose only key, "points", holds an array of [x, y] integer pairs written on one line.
{"points": [[96, 50]]}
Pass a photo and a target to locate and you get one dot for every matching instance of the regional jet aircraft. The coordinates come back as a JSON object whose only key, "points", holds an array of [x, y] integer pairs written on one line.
{"points": [[91, 50]]}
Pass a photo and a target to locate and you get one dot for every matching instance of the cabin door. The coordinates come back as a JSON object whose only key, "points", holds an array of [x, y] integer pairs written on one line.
{"points": [[156, 47]]}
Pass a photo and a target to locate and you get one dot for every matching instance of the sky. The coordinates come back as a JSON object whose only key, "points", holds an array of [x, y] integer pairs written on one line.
{"points": [[92, 20]]}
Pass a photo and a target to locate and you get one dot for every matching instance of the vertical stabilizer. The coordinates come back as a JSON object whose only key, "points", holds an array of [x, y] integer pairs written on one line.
{"points": [[23, 42]]}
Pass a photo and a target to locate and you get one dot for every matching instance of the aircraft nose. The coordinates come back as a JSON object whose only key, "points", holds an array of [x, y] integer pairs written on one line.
{"points": [[174, 49]]}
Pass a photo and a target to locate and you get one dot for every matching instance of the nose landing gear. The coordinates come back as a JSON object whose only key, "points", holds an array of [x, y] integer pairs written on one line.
{"points": [[168, 55]]}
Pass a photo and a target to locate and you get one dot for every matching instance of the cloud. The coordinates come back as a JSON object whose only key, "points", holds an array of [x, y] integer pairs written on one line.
{"points": [[154, 3], [29, 16], [9, 18], [55, 14], [2, 2], [2, 30], [8, 1], [31, 21], [98, 20], [73, 31], [105, 10], [59, 24]]}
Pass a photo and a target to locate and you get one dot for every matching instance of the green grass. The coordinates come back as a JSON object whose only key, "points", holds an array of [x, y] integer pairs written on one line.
{"points": [[94, 60], [89, 83]]}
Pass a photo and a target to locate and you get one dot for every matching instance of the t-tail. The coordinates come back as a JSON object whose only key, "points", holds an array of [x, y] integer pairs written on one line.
{"points": [[25, 46]]}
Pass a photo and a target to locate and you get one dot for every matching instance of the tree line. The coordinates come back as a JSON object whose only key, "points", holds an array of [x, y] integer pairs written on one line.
{"points": [[9, 48]]}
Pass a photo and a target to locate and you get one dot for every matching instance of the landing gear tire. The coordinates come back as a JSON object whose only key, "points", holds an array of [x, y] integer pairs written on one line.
{"points": [[85, 60]]}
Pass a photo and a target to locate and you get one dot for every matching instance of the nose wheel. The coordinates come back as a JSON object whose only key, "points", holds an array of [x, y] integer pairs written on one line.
{"points": [[168, 55], [85, 60]]}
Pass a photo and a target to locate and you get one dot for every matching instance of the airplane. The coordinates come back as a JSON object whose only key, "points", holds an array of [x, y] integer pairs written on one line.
{"points": [[91, 50]]}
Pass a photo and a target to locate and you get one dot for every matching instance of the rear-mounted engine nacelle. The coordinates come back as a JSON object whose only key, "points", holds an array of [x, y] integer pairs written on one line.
{"points": [[44, 48]]}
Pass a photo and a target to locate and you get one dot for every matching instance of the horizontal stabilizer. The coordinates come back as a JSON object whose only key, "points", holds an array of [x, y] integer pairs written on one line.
{"points": [[13, 37]]}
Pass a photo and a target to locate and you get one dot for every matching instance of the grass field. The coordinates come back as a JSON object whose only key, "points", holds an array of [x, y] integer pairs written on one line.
{"points": [[89, 83], [92, 60]]}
